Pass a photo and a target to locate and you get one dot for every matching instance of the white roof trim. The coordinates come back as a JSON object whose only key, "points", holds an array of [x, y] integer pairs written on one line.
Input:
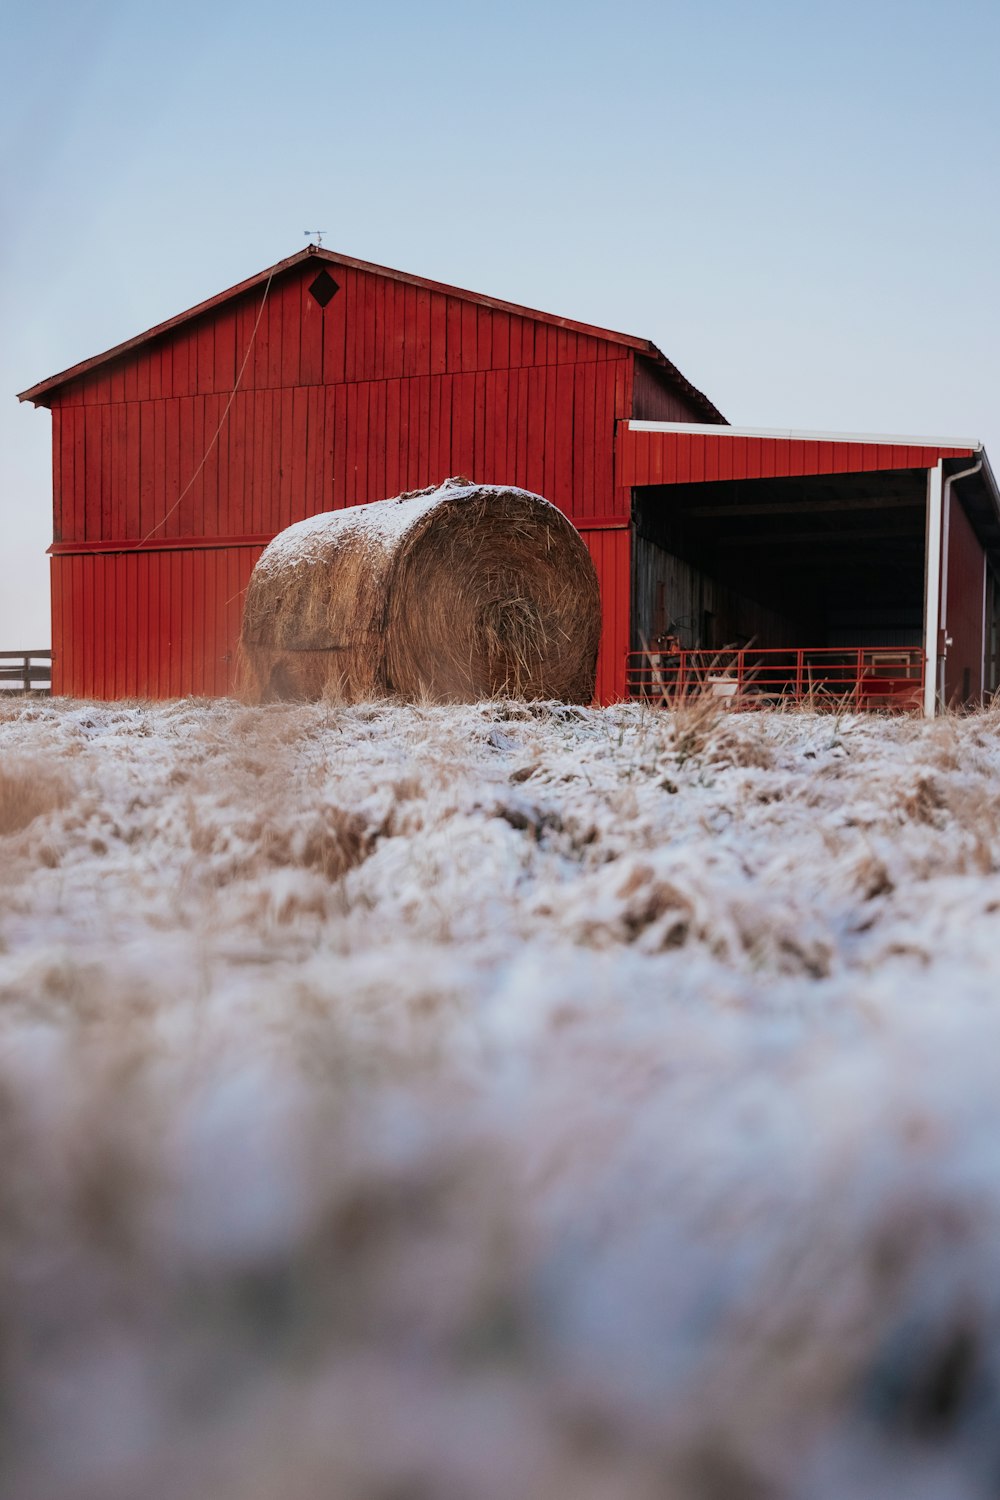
{"points": [[789, 433]]}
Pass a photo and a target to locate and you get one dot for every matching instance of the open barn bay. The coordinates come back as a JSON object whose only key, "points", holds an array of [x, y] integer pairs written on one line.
{"points": [[503, 1101]]}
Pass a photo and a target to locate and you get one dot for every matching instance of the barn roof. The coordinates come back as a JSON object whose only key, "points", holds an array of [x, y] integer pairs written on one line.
{"points": [[40, 393]]}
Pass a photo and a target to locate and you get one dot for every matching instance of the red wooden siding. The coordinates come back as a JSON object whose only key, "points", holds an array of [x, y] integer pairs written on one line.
{"points": [[654, 399], [164, 623], [611, 550], [375, 328], [963, 609], [151, 624], [663, 457], [288, 453], [391, 387]]}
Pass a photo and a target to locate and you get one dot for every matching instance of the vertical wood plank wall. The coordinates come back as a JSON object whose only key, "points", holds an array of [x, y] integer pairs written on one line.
{"points": [[611, 550], [389, 387], [653, 400], [689, 594], [157, 624]]}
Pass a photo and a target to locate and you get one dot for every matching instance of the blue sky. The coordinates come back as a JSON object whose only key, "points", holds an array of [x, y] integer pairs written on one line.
{"points": [[797, 202]]}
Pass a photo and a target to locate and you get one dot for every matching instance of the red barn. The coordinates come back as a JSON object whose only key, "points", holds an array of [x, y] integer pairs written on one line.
{"points": [[326, 381]]}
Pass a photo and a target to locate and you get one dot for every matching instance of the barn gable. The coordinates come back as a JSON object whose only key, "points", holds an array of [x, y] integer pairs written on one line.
{"points": [[371, 383], [406, 325]]}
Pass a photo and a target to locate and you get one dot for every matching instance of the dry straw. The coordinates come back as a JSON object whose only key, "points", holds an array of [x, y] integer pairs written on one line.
{"points": [[454, 593]]}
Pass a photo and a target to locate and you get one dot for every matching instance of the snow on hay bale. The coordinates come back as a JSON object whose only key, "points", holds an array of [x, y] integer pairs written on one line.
{"points": [[457, 592]]}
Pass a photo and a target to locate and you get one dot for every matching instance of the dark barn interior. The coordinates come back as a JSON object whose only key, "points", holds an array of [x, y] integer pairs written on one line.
{"points": [[833, 560]]}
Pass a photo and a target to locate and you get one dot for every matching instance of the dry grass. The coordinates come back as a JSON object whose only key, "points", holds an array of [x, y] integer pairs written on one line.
{"points": [[495, 1101], [29, 790]]}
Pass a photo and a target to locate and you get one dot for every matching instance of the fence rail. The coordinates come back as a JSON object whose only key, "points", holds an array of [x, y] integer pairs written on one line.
{"points": [[862, 677], [26, 671]]}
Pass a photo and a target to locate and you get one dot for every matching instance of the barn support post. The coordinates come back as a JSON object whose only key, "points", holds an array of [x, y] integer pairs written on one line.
{"points": [[936, 580], [945, 637], [982, 654], [932, 586]]}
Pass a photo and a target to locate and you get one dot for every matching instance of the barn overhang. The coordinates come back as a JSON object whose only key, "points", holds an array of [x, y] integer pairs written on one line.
{"points": [[847, 538], [689, 452], [856, 474]]}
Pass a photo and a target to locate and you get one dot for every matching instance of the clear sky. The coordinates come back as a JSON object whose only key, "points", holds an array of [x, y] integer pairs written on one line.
{"points": [[798, 202]]}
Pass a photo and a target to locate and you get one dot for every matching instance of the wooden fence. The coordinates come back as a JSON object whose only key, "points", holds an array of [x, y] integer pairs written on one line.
{"points": [[26, 671]]}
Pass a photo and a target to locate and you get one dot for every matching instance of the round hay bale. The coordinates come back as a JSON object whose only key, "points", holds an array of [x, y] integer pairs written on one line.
{"points": [[455, 593]]}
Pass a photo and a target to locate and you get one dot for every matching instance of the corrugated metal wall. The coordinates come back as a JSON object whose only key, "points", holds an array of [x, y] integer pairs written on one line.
{"points": [[964, 605]]}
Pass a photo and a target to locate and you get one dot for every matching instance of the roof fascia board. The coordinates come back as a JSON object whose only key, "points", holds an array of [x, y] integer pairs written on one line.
{"points": [[791, 434]]}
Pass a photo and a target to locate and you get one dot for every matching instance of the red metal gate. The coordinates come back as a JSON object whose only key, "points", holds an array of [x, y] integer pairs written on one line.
{"points": [[856, 677]]}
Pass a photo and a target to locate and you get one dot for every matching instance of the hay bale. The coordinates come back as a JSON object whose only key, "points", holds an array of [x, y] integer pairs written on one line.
{"points": [[453, 593]]}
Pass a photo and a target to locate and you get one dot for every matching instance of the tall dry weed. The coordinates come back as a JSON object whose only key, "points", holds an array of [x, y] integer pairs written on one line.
{"points": [[28, 789], [694, 721]]}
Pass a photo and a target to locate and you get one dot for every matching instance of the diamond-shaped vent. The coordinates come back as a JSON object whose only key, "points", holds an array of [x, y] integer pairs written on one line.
{"points": [[323, 288]]}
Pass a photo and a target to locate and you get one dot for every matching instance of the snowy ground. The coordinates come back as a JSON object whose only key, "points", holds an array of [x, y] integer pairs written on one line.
{"points": [[497, 1103]]}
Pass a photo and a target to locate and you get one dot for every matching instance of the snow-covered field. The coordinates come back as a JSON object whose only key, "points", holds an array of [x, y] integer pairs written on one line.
{"points": [[404, 1103]]}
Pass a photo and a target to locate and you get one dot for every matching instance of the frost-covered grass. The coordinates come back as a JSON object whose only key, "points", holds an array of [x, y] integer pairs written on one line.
{"points": [[406, 1103]]}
